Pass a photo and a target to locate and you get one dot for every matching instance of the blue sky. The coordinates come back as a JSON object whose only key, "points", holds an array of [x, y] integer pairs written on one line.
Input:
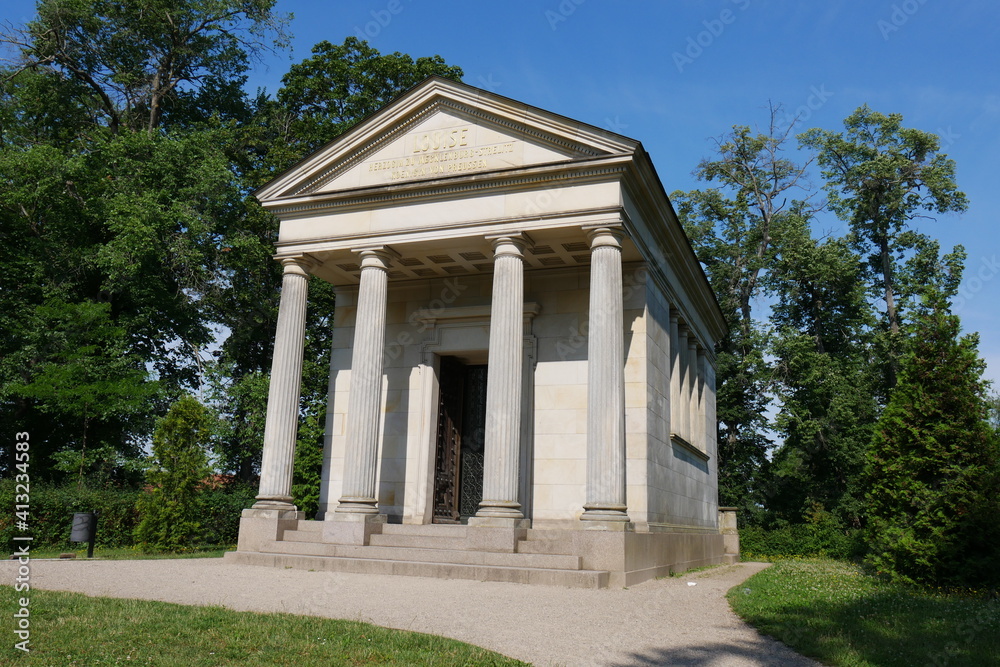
{"points": [[677, 74]]}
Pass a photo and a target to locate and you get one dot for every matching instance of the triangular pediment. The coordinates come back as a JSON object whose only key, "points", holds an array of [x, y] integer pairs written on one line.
{"points": [[443, 129]]}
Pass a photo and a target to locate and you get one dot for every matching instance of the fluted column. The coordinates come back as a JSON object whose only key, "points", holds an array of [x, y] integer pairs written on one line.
{"points": [[684, 393], [364, 402], [605, 381], [675, 373], [693, 407], [503, 382], [282, 420]]}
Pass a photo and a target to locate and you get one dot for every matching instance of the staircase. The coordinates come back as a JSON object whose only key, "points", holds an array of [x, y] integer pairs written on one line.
{"points": [[433, 550]]}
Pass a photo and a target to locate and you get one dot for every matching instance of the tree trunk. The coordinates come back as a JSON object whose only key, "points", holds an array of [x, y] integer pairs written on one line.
{"points": [[890, 296]]}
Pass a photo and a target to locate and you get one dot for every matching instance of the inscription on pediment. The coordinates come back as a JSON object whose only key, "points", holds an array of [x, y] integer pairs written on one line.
{"points": [[444, 144], [445, 152]]}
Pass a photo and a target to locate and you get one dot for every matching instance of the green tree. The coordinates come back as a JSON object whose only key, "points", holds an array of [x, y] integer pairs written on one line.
{"points": [[993, 406], [73, 374], [734, 229], [132, 223], [821, 347], [933, 462], [140, 61], [242, 406], [880, 177], [171, 506], [118, 189]]}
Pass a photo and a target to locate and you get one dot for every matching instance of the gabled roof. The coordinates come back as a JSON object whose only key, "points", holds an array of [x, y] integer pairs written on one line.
{"points": [[439, 128]]}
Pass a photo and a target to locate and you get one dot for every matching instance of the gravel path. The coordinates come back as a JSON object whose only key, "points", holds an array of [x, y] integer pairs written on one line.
{"points": [[665, 622]]}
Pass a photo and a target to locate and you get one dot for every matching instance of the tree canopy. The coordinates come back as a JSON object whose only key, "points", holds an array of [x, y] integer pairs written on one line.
{"points": [[137, 62], [811, 423], [128, 234], [880, 177]]}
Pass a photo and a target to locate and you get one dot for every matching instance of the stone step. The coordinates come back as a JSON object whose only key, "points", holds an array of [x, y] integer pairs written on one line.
{"points": [[543, 547], [430, 529], [302, 536], [520, 575], [546, 542], [308, 526], [547, 534], [312, 531], [417, 541], [451, 556]]}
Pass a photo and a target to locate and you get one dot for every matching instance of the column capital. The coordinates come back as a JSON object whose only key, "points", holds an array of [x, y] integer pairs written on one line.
{"points": [[376, 257], [512, 244], [608, 236], [296, 265]]}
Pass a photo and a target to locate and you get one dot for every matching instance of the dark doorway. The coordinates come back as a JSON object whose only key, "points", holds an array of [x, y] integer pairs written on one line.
{"points": [[458, 461]]}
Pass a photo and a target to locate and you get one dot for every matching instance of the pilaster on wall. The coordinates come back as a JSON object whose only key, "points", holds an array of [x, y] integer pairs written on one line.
{"points": [[675, 372]]}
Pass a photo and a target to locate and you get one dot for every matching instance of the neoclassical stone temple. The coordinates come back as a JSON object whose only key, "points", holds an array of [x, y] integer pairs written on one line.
{"points": [[522, 379]]}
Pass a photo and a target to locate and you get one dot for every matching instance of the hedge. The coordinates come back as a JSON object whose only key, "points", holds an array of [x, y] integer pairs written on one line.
{"points": [[52, 509], [800, 540]]}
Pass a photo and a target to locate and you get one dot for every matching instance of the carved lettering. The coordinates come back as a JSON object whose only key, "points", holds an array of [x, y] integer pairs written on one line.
{"points": [[440, 139], [441, 152]]}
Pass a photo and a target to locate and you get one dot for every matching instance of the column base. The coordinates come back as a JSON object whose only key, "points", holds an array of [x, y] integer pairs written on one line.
{"points": [[356, 505], [605, 513], [352, 528], [281, 506], [498, 509]]}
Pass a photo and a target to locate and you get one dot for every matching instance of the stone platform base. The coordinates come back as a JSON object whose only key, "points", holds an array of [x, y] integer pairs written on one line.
{"points": [[572, 558]]}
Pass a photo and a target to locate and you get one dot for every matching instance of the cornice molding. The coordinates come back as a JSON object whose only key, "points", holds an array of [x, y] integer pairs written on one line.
{"points": [[591, 169]]}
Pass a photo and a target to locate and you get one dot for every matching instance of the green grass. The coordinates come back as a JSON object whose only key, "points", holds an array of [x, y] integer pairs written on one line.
{"points": [[832, 611], [73, 629], [131, 553]]}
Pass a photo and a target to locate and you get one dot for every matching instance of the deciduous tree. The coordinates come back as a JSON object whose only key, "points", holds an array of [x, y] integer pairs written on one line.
{"points": [[821, 345], [118, 190], [733, 229], [138, 61], [880, 177]]}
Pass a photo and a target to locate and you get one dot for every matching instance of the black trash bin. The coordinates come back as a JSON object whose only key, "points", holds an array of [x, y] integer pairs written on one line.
{"points": [[85, 530]]}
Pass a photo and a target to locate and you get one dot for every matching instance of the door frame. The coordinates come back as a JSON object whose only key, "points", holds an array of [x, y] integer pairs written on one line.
{"points": [[452, 465], [463, 332]]}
